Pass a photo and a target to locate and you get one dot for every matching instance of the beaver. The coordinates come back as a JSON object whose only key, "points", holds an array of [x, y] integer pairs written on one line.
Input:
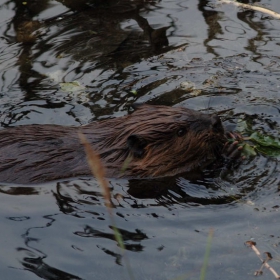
{"points": [[159, 140]]}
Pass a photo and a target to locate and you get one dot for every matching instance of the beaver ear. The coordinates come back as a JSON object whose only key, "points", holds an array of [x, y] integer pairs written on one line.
{"points": [[136, 145]]}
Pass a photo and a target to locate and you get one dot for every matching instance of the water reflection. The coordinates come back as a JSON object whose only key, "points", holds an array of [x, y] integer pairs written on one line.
{"points": [[211, 18], [35, 264], [88, 32], [61, 230], [101, 36]]}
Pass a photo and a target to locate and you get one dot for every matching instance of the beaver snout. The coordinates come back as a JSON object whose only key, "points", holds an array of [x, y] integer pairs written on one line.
{"points": [[217, 124]]}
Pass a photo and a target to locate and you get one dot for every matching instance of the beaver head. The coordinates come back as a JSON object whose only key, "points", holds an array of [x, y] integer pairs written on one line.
{"points": [[160, 141]]}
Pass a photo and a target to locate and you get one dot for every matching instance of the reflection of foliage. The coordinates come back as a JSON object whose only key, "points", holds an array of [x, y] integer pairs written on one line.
{"points": [[36, 263], [128, 236], [127, 240], [93, 32]]}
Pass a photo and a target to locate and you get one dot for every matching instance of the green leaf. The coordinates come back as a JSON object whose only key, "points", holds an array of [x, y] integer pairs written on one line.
{"points": [[265, 140], [268, 151], [264, 144], [249, 150]]}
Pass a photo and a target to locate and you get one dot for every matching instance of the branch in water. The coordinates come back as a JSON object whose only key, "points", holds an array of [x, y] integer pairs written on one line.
{"points": [[252, 7]]}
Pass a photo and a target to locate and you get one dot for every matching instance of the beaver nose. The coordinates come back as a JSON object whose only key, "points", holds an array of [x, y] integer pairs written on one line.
{"points": [[216, 123]]}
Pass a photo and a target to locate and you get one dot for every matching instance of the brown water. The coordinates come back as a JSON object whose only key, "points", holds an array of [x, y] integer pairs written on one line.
{"points": [[62, 230]]}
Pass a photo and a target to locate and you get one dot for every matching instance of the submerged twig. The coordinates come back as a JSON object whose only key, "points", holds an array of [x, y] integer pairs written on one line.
{"points": [[252, 7], [252, 245]]}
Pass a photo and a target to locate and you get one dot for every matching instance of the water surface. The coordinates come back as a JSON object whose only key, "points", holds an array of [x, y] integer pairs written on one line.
{"points": [[61, 230]]}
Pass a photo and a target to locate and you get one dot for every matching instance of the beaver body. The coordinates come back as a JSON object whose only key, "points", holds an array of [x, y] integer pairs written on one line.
{"points": [[159, 140]]}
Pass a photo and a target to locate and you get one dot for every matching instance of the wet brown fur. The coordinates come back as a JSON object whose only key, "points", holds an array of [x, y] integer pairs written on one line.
{"points": [[149, 136]]}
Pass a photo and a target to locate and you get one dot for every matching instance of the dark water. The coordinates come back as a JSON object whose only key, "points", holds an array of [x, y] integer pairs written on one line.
{"points": [[62, 230]]}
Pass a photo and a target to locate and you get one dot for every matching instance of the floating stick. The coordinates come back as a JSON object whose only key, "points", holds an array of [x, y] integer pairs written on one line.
{"points": [[252, 7]]}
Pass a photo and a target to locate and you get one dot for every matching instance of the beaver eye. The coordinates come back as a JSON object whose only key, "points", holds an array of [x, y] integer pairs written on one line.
{"points": [[181, 132]]}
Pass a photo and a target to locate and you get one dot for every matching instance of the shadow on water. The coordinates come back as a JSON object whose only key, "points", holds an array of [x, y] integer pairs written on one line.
{"points": [[37, 265]]}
